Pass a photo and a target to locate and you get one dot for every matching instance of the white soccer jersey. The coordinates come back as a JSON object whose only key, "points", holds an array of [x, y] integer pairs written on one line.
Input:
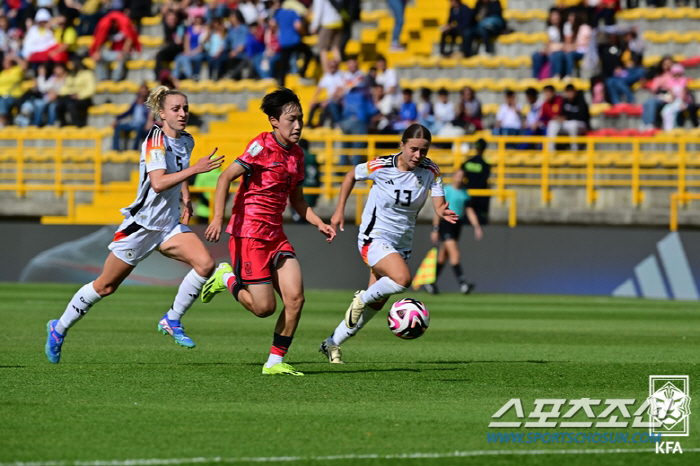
{"points": [[160, 211], [396, 198]]}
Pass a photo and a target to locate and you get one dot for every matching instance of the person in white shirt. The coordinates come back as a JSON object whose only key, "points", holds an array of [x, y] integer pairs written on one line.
{"points": [[39, 37], [401, 185], [353, 75], [152, 222], [508, 119], [331, 83], [388, 78], [328, 24], [443, 110]]}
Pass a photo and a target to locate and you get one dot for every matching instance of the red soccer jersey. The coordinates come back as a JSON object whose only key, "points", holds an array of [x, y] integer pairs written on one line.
{"points": [[272, 171]]}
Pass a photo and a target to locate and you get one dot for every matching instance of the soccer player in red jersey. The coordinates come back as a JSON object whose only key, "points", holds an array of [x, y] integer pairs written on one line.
{"points": [[263, 260]]}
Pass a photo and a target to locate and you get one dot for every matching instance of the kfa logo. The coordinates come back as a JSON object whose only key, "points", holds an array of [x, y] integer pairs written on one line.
{"points": [[669, 410]]}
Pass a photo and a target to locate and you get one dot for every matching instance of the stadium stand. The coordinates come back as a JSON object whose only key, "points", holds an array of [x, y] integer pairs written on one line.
{"points": [[226, 111]]}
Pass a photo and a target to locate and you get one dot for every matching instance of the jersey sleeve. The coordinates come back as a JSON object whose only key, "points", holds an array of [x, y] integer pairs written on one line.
{"points": [[362, 172], [437, 189], [155, 151], [251, 155]]}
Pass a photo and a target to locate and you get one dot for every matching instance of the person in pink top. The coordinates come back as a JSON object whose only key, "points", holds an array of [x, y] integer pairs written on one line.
{"points": [[577, 36], [658, 86], [677, 85], [272, 167]]}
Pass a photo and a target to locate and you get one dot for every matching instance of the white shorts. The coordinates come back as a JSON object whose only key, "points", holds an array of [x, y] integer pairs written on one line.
{"points": [[375, 249], [132, 243]]}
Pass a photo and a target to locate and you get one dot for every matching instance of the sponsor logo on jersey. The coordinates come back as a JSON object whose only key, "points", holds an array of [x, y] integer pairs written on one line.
{"points": [[391, 182], [254, 149]]}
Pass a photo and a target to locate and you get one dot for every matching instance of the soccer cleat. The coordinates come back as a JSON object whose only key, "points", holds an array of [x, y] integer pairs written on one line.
{"points": [[357, 307], [281, 368], [216, 284], [175, 329], [431, 288], [332, 352], [54, 341], [466, 288]]}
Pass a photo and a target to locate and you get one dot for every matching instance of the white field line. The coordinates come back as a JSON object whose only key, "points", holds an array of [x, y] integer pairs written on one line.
{"points": [[292, 459]]}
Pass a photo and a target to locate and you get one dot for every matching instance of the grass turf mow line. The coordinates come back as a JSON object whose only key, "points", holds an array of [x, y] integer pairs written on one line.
{"points": [[292, 459]]}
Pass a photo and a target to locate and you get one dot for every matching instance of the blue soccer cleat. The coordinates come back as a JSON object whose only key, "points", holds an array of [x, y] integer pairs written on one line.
{"points": [[175, 329], [54, 341]]}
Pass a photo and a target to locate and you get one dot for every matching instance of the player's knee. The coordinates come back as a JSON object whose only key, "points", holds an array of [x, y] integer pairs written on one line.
{"points": [[402, 282], [264, 310], [205, 268], [106, 289], [295, 303]]}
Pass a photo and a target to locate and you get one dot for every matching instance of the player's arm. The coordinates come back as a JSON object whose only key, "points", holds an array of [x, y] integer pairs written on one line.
{"points": [[434, 236], [187, 201], [338, 218], [296, 198], [474, 220], [442, 209], [160, 181], [232, 172]]}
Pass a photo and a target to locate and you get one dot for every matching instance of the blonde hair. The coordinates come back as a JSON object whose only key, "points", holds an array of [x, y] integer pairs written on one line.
{"points": [[156, 99]]}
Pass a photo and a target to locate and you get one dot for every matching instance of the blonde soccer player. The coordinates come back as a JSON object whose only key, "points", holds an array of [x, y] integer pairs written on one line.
{"points": [[152, 222], [401, 184]]}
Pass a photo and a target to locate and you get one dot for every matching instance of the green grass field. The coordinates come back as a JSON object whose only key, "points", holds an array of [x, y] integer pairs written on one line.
{"points": [[127, 394]]}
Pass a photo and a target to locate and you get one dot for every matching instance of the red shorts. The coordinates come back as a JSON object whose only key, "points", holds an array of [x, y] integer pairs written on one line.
{"points": [[254, 260]]}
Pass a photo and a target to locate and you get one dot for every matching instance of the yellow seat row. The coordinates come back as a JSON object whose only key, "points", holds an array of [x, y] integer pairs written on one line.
{"points": [[659, 13], [495, 85], [201, 109]]}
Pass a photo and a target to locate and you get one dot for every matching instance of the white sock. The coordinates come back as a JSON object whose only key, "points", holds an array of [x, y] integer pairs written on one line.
{"points": [[343, 332], [273, 359], [382, 288], [81, 303], [186, 295]]}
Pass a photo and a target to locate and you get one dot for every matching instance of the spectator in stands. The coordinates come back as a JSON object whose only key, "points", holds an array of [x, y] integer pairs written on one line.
{"points": [[11, 78], [408, 112], [75, 96], [328, 24], [173, 35], [425, 109], [350, 12], [140, 121], [291, 27], [629, 71], [577, 36], [196, 8], [573, 118], [533, 125], [236, 39], [677, 97], [215, 48], [188, 64], [40, 39], [388, 78], [66, 38], [115, 39], [47, 89], [249, 11], [386, 112], [358, 111], [461, 17], [90, 11], [138, 9], [508, 118], [353, 75], [553, 53], [272, 48], [4, 37], [331, 84], [18, 12], [489, 24], [397, 8], [255, 48], [551, 106], [659, 87], [470, 111], [444, 110]]}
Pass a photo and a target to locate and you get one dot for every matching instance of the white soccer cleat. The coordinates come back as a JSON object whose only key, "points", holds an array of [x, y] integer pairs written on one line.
{"points": [[332, 352], [357, 307]]}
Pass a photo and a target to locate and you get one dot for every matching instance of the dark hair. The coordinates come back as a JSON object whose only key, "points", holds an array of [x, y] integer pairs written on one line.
{"points": [[278, 101], [480, 145], [443, 91], [303, 143], [570, 87], [509, 93], [416, 131], [407, 91], [425, 93], [380, 57], [239, 16], [531, 91], [549, 87]]}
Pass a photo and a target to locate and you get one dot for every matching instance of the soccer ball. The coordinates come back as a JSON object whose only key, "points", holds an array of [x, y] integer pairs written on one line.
{"points": [[408, 318]]}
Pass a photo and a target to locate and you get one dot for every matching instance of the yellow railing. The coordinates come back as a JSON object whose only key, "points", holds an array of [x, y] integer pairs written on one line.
{"points": [[73, 161], [676, 199]]}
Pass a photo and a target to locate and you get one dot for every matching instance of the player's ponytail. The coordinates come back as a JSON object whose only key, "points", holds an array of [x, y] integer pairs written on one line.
{"points": [[156, 99], [416, 131]]}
